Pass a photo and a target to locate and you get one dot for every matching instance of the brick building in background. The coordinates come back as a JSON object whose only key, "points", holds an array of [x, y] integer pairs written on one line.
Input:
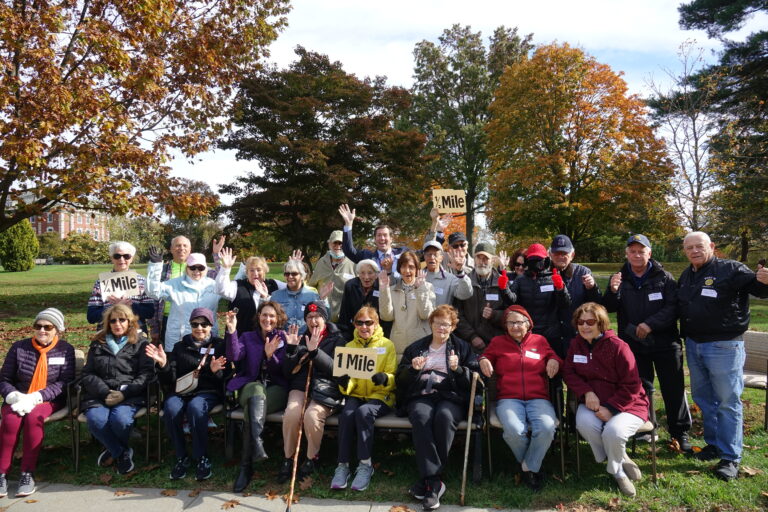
{"points": [[65, 222]]}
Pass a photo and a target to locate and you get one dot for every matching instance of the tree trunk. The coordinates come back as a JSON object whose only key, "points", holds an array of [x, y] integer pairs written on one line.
{"points": [[470, 220], [744, 246]]}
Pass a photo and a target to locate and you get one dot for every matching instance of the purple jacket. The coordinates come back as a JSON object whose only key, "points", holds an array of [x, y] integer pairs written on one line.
{"points": [[21, 361], [249, 348]]}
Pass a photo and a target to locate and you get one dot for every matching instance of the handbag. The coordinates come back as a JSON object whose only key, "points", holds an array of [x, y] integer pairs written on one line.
{"points": [[187, 383]]}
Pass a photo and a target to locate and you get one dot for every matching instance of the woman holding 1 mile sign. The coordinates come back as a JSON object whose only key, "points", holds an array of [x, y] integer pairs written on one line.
{"points": [[204, 353], [433, 383], [366, 400], [522, 362], [115, 378], [32, 381]]}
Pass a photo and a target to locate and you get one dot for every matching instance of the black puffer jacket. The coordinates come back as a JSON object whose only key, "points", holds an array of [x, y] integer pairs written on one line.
{"points": [[185, 358], [653, 303], [130, 371], [537, 294], [471, 321], [714, 301], [323, 388], [456, 386]]}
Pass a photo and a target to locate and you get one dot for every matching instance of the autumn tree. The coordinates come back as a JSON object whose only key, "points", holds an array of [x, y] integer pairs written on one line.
{"points": [[18, 247], [323, 137], [51, 245], [95, 95], [573, 153], [454, 82], [140, 231]]}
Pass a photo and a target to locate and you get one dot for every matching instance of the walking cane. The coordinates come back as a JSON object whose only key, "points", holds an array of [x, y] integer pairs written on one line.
{"points": [[471, 412], [298, 442]]}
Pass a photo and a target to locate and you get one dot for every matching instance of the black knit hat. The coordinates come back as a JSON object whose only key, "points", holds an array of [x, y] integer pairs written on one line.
{"points": [[318, 307]]}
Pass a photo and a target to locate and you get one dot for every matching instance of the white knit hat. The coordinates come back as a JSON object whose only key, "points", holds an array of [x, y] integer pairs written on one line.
{"points": [[54, 316]]}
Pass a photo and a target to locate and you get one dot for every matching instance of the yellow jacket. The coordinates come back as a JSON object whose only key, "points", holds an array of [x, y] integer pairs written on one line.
{"points": [[385, 362]]}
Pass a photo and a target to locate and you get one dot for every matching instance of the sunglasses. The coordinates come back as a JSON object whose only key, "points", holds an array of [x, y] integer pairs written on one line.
{"points": [[290, 274], [590, 322], [46, 328], [518, 264], [198, 268], [195, 325], [366, 323], [124, 256], [457, 246], [115, 320]]}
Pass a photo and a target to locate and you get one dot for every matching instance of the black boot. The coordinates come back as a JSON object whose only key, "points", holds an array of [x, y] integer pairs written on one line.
{"points": [[257, 413], [246, 466]]}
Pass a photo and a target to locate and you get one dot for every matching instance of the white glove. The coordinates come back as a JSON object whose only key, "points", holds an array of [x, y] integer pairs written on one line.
{"points": [[27, 404], [36, 398], [18, 408], [13, 397]]}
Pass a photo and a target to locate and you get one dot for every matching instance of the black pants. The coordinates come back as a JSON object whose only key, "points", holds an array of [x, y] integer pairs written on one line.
{"points": [[434, 423], [356, 420], [668, 364]]}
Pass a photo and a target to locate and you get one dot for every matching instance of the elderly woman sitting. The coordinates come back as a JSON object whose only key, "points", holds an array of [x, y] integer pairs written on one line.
{"points": [[32, 382], [192, 290], [143, 305], [296, 295], [522, 362], [359, 291]]}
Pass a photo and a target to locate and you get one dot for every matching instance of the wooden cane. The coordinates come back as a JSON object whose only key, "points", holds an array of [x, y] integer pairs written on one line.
{"points": [[298, 441], [471, 412]]}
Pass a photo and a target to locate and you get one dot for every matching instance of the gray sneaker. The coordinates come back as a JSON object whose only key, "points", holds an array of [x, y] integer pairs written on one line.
{"points": [[3, 486], [363, 476], [340, 477], [26, 485]]}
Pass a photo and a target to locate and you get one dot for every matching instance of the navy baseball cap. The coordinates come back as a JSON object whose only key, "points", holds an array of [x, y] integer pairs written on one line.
{"points": [[561, 243], [639, 239]]}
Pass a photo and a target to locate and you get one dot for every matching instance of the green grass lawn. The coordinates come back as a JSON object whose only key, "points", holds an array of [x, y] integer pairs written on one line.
{"points": [[684, 483]]}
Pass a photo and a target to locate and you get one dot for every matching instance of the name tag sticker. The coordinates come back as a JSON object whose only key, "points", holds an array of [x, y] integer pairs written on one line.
{"points": [[708, 292], [547, 288], [381, 350], [578, 358], [412, 295], [347, 276], [204, 350], [375, 293], [532, 355], [56, 360], [655, 296], [491, 296], [438, 291]]}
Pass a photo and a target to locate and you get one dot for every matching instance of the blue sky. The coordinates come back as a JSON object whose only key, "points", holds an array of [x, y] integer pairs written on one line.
{"points": [[640, 39]]}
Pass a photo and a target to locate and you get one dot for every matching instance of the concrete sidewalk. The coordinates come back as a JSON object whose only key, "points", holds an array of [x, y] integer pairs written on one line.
{"points": [[71, 498]]}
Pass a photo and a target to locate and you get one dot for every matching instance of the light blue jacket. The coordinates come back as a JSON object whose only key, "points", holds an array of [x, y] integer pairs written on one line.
{"points": [[294, 303], [184, 295]]}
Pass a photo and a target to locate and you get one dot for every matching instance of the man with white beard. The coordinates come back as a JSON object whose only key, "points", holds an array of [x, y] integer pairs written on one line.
{"points": [[336, 267], [480, 315]]}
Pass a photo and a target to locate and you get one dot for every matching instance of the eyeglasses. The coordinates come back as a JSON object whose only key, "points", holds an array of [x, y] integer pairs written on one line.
{"points": [[459, 245], [517, 264], [46, 328], [290, 274], [442, 325], [198, 268], [195, 325], [517, 323], [115, 320], [366, 323], [590, 322], [124, 256]]}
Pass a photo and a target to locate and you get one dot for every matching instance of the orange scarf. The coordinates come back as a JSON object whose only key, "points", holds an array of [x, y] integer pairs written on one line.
{"points": [[40, 377]]}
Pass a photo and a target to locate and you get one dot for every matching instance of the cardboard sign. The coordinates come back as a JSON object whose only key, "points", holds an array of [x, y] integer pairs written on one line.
{"points": [[120, 284], [359, 363], [449, 201]]}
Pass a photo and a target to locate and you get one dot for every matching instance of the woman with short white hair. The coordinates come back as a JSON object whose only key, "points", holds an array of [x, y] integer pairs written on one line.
{"points": [[121, 253], [358, 292]]}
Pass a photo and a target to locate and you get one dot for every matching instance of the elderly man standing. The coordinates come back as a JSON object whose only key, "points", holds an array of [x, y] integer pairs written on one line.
{"points": [[713, 300], [645, 297], [336, 267], [457, 257], [385, 255], [448, 287]]}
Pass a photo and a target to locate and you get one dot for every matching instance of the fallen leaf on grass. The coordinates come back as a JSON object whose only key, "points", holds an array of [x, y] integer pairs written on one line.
{"points": [[294, 500], [169, 492], [751, 471], [306, 483], [123, 492], [557, 478], [229, 504], [614, 503], [764, 494], [30, 501], [270, 494], [693, 472], [694, 408], [194, 493], [674, 446], [105, 478], [400, 508], [696, 449], [246, 494]]}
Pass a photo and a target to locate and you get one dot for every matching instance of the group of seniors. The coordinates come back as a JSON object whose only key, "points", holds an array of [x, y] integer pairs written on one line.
{"points": [[432, 326]]}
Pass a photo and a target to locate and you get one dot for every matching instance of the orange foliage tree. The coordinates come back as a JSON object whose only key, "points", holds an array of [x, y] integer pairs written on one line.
{"points": [[573, 153], [95, 94]]}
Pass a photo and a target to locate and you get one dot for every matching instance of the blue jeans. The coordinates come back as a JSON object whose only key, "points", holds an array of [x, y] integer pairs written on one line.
{"points": [[717, 382], [112, 426], [516, 416], [197, 408]]}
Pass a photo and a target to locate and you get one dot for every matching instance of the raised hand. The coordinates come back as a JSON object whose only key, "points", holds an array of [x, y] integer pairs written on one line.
{"points": [[453, 361], [314, 340], [218, 363], [588, 280], [487, 311], [421, 278], [296, 255], [155, 254], [386, 263], [615, 282], [557, 279], [383, 279], [261, 288], [347, 214], [326, 289], [231, 321], [226, 259], [503, 279], [217, 245], [292, 338], [270, 347], [444, 221], [503, 259], [157, 354]]}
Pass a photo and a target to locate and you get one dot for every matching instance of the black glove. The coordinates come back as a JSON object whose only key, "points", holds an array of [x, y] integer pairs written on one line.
{"points": [[380, 378], [155, 255], [343, 381]]}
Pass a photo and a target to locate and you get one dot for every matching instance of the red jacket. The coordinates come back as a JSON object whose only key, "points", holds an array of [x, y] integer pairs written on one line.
{"points": [[521, 369], [609, 370]]}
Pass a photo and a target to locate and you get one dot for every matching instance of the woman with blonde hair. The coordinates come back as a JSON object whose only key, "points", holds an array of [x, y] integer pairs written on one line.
{"points": [[115, 378]]}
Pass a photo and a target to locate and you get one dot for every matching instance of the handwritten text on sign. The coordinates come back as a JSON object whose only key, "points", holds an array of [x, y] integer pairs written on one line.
{"points": [[359, 363], [119, 284], [449, 201]]}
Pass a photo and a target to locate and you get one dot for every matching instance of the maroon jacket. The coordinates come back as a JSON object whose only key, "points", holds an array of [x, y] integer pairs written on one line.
{"points": [[21, 361], [519, 373], [608, 369]]}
